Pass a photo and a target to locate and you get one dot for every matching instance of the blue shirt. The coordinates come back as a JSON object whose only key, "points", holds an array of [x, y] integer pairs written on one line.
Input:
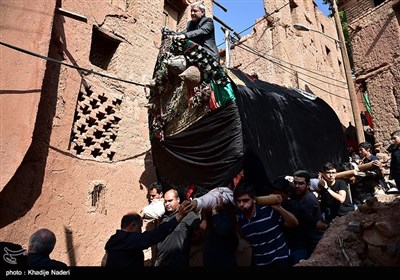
{"points": [[264, 233]]}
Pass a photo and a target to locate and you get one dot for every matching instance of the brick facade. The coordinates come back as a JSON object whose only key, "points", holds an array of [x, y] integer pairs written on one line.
{"points": [[288, 57], [373, 27], [87, 159]]}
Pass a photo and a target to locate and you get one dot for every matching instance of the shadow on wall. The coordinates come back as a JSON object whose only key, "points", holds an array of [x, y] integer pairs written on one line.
{"points": [[149, 174], [70, 246], [24, 188]]}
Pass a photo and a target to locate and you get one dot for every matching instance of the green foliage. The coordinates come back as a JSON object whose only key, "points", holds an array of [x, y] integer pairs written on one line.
{"points": [[330, 6], [346, 35], [345, 29]]}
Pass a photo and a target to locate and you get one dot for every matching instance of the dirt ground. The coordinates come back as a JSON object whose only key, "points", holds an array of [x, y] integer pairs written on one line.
{"points": [[368, 237]]}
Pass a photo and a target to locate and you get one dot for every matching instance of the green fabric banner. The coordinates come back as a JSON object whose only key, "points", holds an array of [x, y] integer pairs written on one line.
{"points": [[366, 102]]}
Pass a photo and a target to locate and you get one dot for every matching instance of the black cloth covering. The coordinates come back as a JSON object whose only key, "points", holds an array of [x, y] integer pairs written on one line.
{"points": [[269, 132], [208, 154], [285, 130]]}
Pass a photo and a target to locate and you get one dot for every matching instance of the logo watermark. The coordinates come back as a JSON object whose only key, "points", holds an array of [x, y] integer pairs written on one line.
{"points": [[9, 255]]}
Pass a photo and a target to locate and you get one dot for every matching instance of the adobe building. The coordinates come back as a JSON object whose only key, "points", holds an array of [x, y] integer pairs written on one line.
{"points": [[374, 33], [308, 60], [75, 153], [75, 149]]}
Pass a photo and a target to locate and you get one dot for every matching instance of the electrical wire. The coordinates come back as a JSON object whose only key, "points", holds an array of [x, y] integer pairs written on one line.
{"points": [[293, 72], [291, 64], [264, 18], [69, 65]]}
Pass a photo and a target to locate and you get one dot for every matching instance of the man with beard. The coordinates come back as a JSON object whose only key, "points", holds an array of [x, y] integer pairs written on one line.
{"points": [[309, 205], [262, 227]]}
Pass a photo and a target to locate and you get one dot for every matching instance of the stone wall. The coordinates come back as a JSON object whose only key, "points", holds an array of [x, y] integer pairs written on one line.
{"points": [[376, 53], [280, 54], [355, 9], [89, 161]]}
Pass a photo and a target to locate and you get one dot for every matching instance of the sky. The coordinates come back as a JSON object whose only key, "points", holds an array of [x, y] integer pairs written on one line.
{"points": [[241, 15]]}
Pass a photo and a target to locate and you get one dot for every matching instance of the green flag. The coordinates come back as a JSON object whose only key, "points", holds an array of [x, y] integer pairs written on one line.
{"points": [[366, 102]]}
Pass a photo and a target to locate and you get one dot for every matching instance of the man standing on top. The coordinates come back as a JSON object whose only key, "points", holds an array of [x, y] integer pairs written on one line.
{"points": [[201, 29], [366, 186]]}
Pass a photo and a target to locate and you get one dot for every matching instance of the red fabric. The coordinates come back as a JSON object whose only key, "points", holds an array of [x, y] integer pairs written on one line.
{"points": [[190, 191], [369, 119], [352, 143], [237, 178], [213, 102]]}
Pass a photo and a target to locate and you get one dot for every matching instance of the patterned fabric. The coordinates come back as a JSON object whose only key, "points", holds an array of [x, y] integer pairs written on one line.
{"points": [[197, 55], [173, 105]]}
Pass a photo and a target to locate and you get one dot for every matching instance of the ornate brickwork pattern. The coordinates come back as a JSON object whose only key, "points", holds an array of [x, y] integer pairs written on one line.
{"points": [[96, 124]]}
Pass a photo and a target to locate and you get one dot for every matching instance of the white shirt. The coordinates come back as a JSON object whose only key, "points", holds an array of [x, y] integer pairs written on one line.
{"points": [[154, 210]]}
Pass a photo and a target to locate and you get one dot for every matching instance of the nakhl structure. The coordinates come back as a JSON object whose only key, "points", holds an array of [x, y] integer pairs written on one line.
{"points": [[208, 123]]}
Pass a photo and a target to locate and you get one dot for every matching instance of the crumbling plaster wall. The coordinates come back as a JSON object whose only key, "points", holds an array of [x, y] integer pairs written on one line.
{"points": [[56, 188], [78, 196], [21, 78], [375, 38]]}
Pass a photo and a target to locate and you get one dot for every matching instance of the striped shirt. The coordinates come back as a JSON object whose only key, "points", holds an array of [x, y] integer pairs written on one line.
{"points": [[264, 233]]}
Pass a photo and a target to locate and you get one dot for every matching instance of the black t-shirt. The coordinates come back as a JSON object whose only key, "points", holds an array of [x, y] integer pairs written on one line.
{"points": [[335, 207]]}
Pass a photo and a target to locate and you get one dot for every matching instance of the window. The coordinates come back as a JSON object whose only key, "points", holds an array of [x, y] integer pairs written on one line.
{"points": [[173, 11], [170, 17], [378, 2], [103, 47]]}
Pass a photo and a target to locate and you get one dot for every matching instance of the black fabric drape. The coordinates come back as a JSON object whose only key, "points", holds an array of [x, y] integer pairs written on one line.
{"points": [[208, 154], [283, 131], [270, 131]]}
